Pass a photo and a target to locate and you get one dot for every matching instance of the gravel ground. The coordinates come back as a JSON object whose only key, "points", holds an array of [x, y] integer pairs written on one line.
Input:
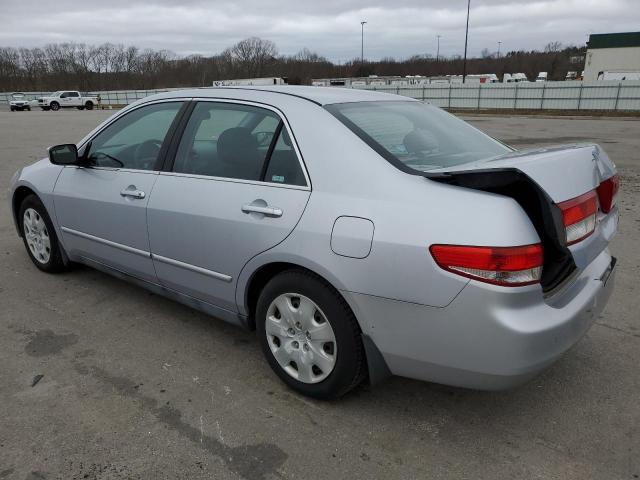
{"points": [[134, 386]]}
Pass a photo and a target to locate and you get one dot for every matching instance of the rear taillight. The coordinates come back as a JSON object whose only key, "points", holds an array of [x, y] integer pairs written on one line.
{"points": [[579, 216], [507, 266], [608, 193]]}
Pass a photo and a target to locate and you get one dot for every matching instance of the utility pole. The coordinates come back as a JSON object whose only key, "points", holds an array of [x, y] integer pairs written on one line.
{"points": [[466, 40], [362, 43], [499, 43], [438, 51]]}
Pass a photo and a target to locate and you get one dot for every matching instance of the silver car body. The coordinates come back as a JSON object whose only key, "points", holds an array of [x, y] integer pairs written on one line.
{"points": [[361, 224]]}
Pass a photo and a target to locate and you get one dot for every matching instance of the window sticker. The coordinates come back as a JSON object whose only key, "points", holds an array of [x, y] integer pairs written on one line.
{"points": [[277, 178]]}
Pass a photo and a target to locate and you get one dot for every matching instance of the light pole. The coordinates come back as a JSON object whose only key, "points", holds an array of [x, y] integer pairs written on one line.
{"points": [[466, 40], [499, 43], [438, 51], [362, 43]]}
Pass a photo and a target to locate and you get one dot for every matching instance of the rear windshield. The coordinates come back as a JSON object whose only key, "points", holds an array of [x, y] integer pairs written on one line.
{"points": [[418, 136]]}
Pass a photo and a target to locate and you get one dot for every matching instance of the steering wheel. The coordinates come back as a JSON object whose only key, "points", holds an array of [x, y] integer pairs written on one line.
{"points": [[146, 153]]}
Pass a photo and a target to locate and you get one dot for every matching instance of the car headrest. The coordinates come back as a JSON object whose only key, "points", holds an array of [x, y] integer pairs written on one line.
{"points": [[420, 141], [237, 145]]}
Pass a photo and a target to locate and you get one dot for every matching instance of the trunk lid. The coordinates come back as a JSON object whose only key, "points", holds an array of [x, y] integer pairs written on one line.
{"points": [[540, 179], [564, 172]]}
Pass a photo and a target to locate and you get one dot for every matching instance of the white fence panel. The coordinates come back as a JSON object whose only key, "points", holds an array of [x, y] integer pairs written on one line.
{"points": [[572, 95]]}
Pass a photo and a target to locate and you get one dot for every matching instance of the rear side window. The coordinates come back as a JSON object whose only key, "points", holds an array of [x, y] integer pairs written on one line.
{"points": [[413, 135], [284, 166], [237, 141]]}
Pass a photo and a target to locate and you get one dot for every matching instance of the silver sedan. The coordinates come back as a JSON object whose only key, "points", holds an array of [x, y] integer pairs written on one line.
{"points": [[360, 234]]}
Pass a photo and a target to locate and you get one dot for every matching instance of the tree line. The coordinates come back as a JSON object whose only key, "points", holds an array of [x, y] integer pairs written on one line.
{"points": [[119, 67]]}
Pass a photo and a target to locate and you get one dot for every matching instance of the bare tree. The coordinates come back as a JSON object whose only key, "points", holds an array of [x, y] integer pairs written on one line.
{"points": [[253, 55], [108, 66], [553, 47]]}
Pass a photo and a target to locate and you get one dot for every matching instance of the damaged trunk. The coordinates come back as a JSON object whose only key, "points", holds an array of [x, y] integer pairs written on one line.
{"points": [[539, 180]]}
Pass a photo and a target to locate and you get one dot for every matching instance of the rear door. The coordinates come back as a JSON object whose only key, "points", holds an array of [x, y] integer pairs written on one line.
{"points": [[237, 187], [101, 207]]}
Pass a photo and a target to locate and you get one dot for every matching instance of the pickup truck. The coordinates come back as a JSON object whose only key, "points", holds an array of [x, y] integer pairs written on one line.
{"points": [[67, 99]]}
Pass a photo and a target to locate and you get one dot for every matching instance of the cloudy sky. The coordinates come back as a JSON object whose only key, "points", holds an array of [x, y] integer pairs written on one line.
{"points": [[396, 28]]}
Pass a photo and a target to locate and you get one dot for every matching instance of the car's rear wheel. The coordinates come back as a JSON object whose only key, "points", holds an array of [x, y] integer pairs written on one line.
{"points": [[39, 236], [54, 106], [309, 335], [89, 105]]}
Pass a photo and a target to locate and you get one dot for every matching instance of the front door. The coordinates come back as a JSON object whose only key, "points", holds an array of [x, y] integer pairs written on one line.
{"points": [[101, 208], [236, 189]]}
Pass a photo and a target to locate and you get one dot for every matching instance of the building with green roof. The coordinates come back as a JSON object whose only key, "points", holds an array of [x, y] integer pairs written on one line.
{"points": [[614, 56]]}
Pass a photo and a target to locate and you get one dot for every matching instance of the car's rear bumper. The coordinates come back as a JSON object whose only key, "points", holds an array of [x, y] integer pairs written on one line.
{"points": [[489, 337]]}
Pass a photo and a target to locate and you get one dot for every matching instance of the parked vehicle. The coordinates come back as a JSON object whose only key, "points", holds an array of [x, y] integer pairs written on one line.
{"points": [[250, 82], [66, 99], [19, 102], [542, 77], [360, 234], [515, 78], [619, 75]]}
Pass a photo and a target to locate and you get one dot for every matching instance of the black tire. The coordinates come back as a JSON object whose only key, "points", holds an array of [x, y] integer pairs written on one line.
{"points": [[55, 263], [89, 105], [28, 109], [12, 109], [55, 106], [350, 363]]}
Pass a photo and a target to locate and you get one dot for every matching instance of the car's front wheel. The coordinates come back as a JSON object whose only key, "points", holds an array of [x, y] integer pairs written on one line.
{"points": [[39, 236], [309, 335], [54, 106]]}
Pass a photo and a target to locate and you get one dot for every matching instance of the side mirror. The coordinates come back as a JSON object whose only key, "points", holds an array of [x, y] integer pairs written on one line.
{"points": [[65, 154]]}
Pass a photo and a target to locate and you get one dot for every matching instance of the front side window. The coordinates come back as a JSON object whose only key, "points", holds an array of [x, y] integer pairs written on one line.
{"points": [[134, 140], [415, 135], [237, 141]]}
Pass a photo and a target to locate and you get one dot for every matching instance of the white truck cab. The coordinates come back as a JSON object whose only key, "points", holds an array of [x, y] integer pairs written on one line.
{"points": [[67, 99]]}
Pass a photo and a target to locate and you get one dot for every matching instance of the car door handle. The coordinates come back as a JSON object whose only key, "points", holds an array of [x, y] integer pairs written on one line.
{"points": [[132, 193], [267, 211]]}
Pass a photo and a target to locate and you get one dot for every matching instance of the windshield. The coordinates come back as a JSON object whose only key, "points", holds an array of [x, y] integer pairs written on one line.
{"points": [[55, 94], [416, 135], [18, 96]]}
